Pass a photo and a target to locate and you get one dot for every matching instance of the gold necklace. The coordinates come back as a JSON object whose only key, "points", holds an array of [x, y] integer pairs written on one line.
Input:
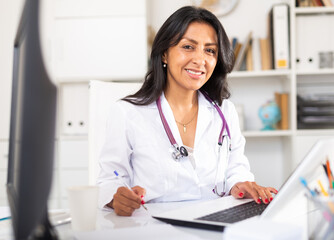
{"points": [[185, 124]]}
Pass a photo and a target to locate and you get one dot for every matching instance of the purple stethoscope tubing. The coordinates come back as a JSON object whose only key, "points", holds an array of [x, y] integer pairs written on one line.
{"points": [[180, 152], [225, 126], [169, 132]]}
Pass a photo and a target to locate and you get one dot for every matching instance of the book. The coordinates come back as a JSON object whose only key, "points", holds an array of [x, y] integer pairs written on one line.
{"points": [[327, 3], [280, 39], [256, 52], [317, 3], [249, 58], [234, 42], [304, 3], [241, 56], [265, 49], [237, 50], [282, 100]]}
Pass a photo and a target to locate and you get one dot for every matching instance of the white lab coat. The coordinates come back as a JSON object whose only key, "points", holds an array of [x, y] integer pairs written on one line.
{"points": [[137, 146]]}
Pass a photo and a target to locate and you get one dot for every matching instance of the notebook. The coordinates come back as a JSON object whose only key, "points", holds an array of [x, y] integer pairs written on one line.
{"points": [[288, 204]]}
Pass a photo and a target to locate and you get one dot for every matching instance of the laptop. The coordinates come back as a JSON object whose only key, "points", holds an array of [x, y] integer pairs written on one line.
{"points": [[288, 204]]}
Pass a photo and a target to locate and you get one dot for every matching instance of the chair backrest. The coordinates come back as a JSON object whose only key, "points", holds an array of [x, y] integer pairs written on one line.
{"points": [[101, 96]]}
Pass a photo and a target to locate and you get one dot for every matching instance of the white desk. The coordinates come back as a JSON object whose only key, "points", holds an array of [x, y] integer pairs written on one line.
{"points": [[107, 220], [109, 224]]}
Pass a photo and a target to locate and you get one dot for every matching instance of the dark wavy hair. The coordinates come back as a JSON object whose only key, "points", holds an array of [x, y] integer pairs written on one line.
{"points": [[169, 35]]}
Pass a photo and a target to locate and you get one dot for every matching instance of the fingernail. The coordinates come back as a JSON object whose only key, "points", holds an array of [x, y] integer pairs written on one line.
{"points": [[141, 196], [266, 201], [241, 194], [258, 200], [271, 199], [142, 202]]}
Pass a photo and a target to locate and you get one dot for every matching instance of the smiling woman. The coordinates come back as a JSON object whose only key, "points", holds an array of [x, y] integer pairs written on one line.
{"points": [[162, 140], [189, 64]]}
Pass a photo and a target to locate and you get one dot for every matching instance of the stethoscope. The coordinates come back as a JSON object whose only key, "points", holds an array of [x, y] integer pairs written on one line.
{"points": [[180, 151]]}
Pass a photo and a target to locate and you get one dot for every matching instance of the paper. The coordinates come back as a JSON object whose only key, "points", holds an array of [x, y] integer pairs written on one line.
{"points": [[152, 231], [4, 212], [5, 225]]}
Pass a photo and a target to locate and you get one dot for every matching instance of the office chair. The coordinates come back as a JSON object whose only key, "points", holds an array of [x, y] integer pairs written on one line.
{"points": [[101, 96]]}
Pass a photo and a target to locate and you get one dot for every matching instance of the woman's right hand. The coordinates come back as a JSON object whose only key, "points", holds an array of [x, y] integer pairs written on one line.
{"points": [[125, 200]]}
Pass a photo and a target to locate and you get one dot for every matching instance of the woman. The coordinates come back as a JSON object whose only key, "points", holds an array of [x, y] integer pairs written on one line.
{"points": [[190, 58]]}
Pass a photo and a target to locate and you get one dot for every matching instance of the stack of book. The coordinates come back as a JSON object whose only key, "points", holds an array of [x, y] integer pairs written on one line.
{"points": [[272, 52], [315, 111]]}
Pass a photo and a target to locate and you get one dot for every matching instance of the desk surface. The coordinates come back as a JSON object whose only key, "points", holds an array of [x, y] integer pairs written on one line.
{"points": [[108, 221], [140, 225]]}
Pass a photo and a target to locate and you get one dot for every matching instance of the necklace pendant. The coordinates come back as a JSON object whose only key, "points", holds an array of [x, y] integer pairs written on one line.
{"points": [[184, 129]]}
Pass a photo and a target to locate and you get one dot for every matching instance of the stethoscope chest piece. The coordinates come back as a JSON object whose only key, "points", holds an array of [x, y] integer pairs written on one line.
{"points": [[179, 152]]}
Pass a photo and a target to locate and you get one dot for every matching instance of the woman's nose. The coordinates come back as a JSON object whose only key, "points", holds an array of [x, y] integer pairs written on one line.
{"points": [[199, 58]]}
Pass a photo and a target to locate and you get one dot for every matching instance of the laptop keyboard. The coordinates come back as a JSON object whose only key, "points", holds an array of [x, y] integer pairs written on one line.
{"points": [[236, 214]]}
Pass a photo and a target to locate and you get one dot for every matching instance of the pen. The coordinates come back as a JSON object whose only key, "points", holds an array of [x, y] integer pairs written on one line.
{"points": [[322, 189], [5, 218], [329, 174], [303, 181], [117, 175]]}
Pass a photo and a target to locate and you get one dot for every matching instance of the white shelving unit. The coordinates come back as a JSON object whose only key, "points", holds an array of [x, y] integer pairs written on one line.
{"points": [[312, 79], [253, 88]]}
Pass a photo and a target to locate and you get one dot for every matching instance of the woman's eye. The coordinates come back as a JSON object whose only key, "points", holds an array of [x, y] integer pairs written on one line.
{"points": [[187, 47], [211, 51]]}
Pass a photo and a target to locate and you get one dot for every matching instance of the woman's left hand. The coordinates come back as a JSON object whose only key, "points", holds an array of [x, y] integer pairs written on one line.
{"points": [[252, 190]]}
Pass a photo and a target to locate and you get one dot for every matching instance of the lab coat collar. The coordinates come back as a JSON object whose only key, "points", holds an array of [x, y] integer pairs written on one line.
{"points": [[203, 120]]}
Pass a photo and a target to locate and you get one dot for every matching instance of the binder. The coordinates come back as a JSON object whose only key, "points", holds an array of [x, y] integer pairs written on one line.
{"points": [[279, 16], [312, 39], [74, 109]]}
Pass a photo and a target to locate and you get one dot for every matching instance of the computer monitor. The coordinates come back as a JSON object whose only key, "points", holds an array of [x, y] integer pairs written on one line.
{"points": [[32, 132]]}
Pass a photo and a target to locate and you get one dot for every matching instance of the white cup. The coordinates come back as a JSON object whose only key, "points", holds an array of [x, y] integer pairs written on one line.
{"points": [[83, 207]]}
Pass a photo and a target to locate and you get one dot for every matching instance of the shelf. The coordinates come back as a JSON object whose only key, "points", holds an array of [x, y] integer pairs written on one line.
{"points": [[73, 137], [315, 132], [268, 73], [274, 133], [325, 71], [314, 10]]}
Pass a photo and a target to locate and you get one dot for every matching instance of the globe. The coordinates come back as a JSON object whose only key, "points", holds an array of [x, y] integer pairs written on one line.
{"points": [[270, 114]]}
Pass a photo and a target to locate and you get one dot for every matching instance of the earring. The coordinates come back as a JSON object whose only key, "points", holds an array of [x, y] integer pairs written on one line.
{"points": [[165, 65]]}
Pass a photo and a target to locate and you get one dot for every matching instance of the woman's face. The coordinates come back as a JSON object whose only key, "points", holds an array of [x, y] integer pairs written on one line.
{"points": [[191, 62]]}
